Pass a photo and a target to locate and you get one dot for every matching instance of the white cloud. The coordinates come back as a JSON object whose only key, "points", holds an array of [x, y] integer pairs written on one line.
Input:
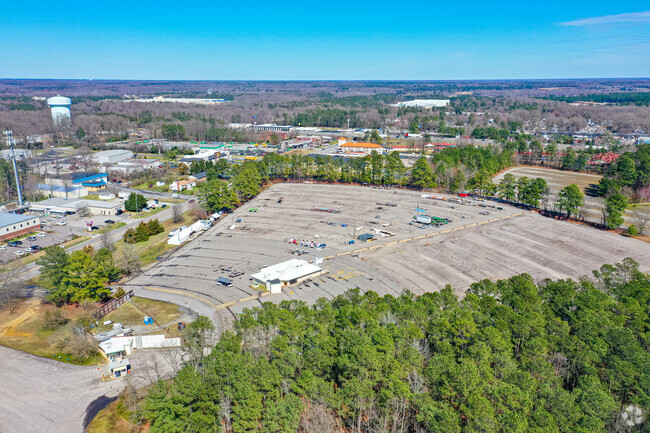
{"points": [[633, 17]]}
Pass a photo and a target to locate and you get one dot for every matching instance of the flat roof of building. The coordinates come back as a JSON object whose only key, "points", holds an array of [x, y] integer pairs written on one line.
{"points": [[286, 271], [75, 203], [113, 152], [7, 219]]}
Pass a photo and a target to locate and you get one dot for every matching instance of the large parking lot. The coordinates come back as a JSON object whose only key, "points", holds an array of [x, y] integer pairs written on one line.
{"points": [[479, 242]]}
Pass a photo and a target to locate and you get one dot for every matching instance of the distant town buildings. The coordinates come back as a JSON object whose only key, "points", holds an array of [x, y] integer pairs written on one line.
{"points": [[200, 101], [359, 147]]}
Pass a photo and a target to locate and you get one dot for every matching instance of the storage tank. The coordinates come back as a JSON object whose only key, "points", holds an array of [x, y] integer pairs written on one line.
{"points": [[60, 106]]}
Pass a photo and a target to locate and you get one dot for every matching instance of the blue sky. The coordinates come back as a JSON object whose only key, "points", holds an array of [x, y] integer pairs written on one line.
{"points": [[335, 40]]}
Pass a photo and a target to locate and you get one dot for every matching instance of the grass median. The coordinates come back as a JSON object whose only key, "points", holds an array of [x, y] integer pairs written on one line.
{"points": [[110, 227], [156, 245]]}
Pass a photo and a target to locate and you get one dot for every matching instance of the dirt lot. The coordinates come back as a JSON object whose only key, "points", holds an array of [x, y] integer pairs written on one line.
{"points": [[588, 183], [479, 243]]}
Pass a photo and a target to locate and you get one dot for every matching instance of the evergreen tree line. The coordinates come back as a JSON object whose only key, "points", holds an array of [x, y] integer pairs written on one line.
{"points": [[512, 356], [452, 169], [143, 231], [80, 275]]}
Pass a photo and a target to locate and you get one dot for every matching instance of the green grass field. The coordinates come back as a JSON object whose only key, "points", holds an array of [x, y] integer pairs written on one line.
{"points": [[145, 187], [157, 244], [143, 214], [111, 227]]}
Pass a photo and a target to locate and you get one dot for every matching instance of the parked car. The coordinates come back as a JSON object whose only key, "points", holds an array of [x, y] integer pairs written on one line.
{"points": [[30, 249], [31, 238], [20, 253], [93, 228], [14, 243], [119, 212], [62, 223], [164, 206], [3, 247], [109, 222], [40, 235]]}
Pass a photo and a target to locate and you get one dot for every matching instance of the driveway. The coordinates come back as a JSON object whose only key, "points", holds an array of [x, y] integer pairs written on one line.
{"points": [[43, 395]]}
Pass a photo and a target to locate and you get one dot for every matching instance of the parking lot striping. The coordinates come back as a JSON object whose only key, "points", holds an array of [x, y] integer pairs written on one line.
{"points": [[184, 293], [424, 236]]}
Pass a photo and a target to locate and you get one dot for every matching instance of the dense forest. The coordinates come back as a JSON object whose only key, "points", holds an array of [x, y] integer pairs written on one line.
{"points": [[631, 98], [512, 356]]}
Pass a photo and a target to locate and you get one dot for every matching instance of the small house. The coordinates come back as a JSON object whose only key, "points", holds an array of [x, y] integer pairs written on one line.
{"points": [[182, 185], [199, 177]]}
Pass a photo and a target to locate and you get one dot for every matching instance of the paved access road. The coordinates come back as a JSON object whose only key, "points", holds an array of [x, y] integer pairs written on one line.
{"points": [[43, 395]]}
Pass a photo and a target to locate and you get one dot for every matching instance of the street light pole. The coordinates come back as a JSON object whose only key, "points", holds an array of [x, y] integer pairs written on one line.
{"points": [[10, 142]]}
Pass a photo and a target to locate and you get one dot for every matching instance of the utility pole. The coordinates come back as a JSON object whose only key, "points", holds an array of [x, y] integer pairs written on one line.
{"points": [[10, 143]]}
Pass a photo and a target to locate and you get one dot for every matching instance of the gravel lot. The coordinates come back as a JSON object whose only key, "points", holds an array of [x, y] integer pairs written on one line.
{"points": [[492, 249]]}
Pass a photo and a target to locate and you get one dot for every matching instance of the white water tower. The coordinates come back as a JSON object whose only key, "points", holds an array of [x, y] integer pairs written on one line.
{"points": [[60, 106]]}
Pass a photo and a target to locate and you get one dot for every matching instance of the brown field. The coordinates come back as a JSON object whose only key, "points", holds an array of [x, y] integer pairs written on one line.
{"points": [[588, 183]]}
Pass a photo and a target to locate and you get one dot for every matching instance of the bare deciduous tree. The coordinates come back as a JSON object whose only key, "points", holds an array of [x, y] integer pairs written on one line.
{"points": [[83, 210], [177, 214], [641, 219], [9, 289], [130, 262], [318, 418], [86, 159], [105, 238]]}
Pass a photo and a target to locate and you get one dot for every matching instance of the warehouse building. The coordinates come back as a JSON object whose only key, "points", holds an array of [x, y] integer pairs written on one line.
{"points": [[62, 206], [14, 225], [69, 191], [424, 103], [286, 274], [91, 181], [113, 156]]}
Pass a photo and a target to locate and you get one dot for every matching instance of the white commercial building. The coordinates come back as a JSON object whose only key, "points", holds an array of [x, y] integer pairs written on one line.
{"points": [[424, 103], [113, 156], [286, 273], [131, 165]]}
